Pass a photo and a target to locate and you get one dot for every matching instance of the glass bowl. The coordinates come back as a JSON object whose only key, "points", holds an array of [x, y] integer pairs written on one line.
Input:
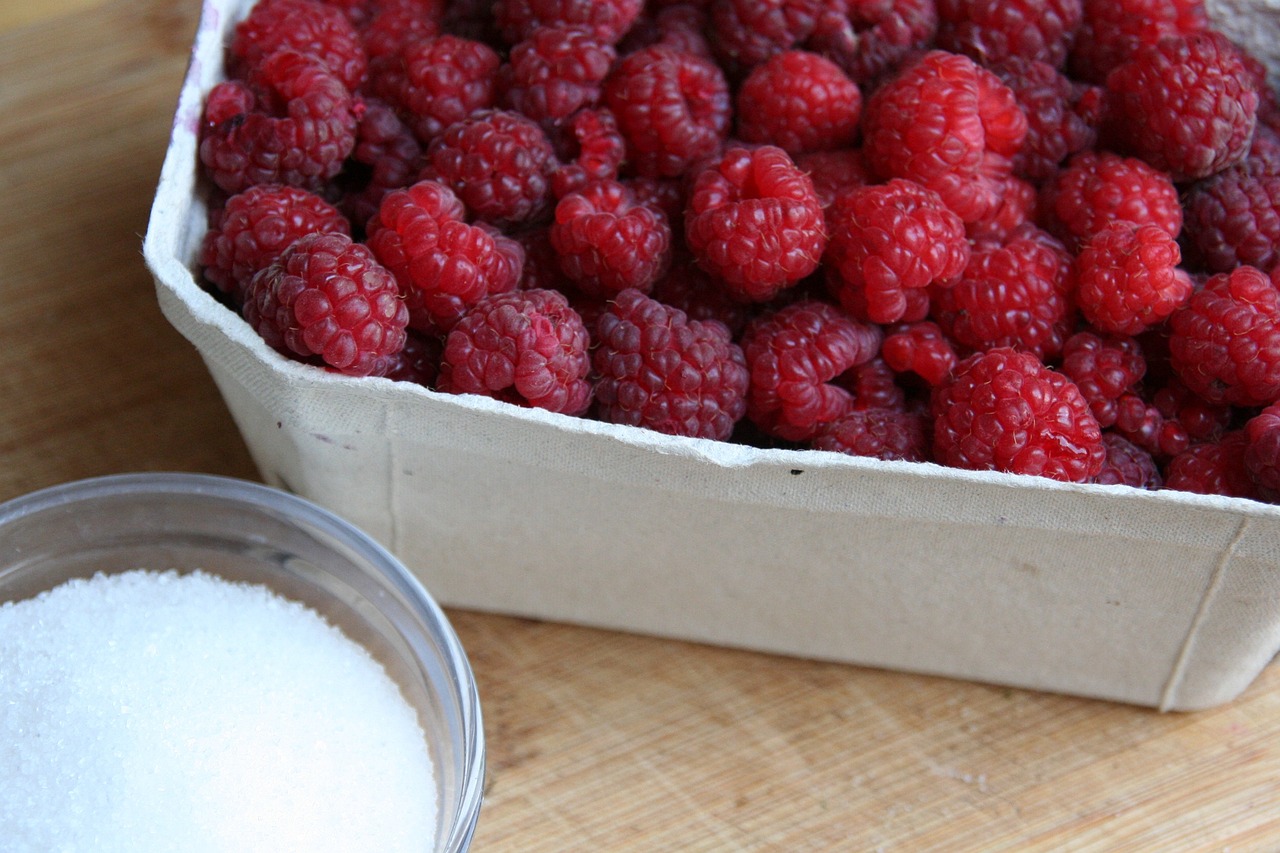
{"points": [[246, 532]]}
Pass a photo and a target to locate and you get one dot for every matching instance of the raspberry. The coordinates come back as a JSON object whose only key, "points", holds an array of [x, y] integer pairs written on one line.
{"points": [[1127, 464], [607, 242], [678, 27], [833, 172], [1012, 294], [1004, 410], [305, 26], [498, 162], [1098, 188], [591, 148], [256, 226], [1112, 30], [243, 143], [660, 370], [1185, 105], [1062, 115], [755, 223], [392, 24], [605, 20], [879, 433], [991, 31], [687, 287], [1104, 369], [434, 82], [1144, 425], [528, 348], [793, 354], [889, 238], [744, 33], [1213, 469], [1226, 339], [673, 109], [1202, 420], [1015, 208], [920, 348], [386, 157], [555, 72], [329, 297], [443, 265], [1262, 453], [870, 39], [1233, 218], [873, 385], [800, 102], [949, 125], [1126, 278], [418, 362]]}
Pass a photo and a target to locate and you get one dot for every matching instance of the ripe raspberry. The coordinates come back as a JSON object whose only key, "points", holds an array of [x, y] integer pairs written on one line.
{"points": [[590, 148], [1016, 207], [870, 39], [744, 33], [392, 24], [608, 242], [1213, 469], [920, 348], [1104, 369], [329, 297], [528, 348], [556, 72], [687, 287], [1233, 217], [1127, 464], [386, 157], [418, 362], [1144, 425], [949, 125], [1185, 105], [660, 370], [1012, 294], [434, 82], [1062, 115], [306, 26], [755, 223], [889, 238], [679, 27], [444, 266], [1226, 339], [605, 20], [874, 385], [1126, 278], [244, 143], [672, 108], [833, 172], [800, 102], [1262, 453], [498, 162], [256, 226], [1098, 188], [879, 433], [1112, 30], [991, 31], [793, 354], [1004, 410], [1202, 420]]}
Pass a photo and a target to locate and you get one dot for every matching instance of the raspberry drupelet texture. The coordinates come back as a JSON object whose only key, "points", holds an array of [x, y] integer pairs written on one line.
{"points": [[256, 226], [590, 148], [991, 31], [1216, 468], [948, 124], [1126, 278], [1262, 453], [680, 26], [1005, 410], [1233, 217], [889, 238], [443, 264], [687, 287], [528, 348], [391, 24], [833, 172], [326, 296], [755, 223], [1185, 105], [870, 39], [1104, 369], [798, 101], [1063, 115], [1098, 188], [244, 142], [1016, 207], [434, 82], [1225, 344], [1127, 464], [744, 33], [673, 109], [386, 157], [1112, 30], [605, 20], [1143, 424], [609, 242], [498, 162], [920, 348], [878, 433], [793, 354], [874, 385], [306, 26], [658, 369], [556, 72]]}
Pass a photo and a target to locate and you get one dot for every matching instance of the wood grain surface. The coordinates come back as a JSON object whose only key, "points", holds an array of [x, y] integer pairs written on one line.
{"points": [[597, 740]]}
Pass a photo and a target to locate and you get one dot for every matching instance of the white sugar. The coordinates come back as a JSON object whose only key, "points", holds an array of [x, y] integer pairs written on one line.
{"points": [[155, 711]]}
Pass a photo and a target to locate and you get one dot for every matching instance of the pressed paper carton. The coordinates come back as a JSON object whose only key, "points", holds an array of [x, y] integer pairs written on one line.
{"points": [[1162, 599]]}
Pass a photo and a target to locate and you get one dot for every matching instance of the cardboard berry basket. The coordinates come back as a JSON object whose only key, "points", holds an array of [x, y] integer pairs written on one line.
{"points": [[1161, 599]]}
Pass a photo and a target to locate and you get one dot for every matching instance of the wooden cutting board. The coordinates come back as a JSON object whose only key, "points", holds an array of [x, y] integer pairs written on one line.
{"points": [[597, 740]]}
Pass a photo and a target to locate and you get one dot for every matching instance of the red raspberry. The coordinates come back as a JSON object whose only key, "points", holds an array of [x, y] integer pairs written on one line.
{"points": [[243, 143], [877, 433], [392, 24], [1004, 410], [679, 27], [1202, 420], [498, 162], [606, 20], [1127, 464], [306, 26], [660, 370], [386, 157], [672, 108], [793, 354], [1185, 105], [949, 125], [418, 362], [889, 238], [920, 348], [991, 31], [1012, 294], [556, 72], [1104, 369], [1098, 188], [1126, 278], [528, 348], [755, 223], [434, 82], [833, 172], [1213, 469], [1062, 115], [687, 287], [1262, 454], [745, 33], [800, 102], [1145, 426], [874, 385], [329, 297], [870, 39], [1226, 339], [1233, 217], [256, 226], [1112, 30], [608, 242], [1016, 208], [444, 265], [665, 194]]}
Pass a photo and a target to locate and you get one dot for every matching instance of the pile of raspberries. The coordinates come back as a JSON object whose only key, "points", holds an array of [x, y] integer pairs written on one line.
{"points": [[1032, 236]]}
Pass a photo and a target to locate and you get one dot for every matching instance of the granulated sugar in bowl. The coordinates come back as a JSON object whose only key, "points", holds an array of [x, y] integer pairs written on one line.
{"points": [[204, 664]]}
